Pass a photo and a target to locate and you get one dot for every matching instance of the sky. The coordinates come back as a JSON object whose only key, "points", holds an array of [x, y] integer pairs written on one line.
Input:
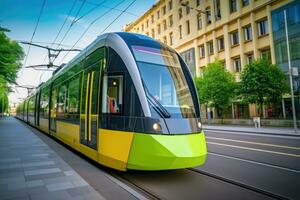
{"points": [[21, 17]]}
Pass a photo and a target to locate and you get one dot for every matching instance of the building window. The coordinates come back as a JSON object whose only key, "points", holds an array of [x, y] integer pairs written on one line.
{"points": [[237, 64], [245, 3], [208, 15], [233, 6], [199, 21], [217, 9], [201, 51], [198, 2], [250, 58], [165, 39], [187, 8], [157, 14], [210, 48], [164, 10], [165, 25], [220, 44], [262, 27], [158, 29], [180, 31], [152, 19], [137, 29], [188, 30], [234, 38], [147, 23], [265, 54], [180, 13], [171, 20], [171, 38], [153, 33], [248, 33], [170, 5]]}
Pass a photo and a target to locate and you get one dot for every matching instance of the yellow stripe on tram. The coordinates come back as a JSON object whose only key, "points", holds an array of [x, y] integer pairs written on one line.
{"points": [[86, 105], [90, 107]]}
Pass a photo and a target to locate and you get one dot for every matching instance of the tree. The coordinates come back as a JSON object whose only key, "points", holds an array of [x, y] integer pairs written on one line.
{"points": [[216, 87], [11, 55], [262, 83]]}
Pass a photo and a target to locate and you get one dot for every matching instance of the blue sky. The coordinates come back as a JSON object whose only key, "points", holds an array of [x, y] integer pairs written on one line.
{"points": [[20, 16]]}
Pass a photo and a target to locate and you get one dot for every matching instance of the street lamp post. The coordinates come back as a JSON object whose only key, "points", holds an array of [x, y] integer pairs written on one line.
{"points": [[290, 72]]}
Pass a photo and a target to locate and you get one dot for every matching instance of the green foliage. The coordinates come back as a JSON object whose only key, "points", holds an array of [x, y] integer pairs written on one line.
{"points": [[10, 56], [262, 83], [217, 86], [3, 94]]}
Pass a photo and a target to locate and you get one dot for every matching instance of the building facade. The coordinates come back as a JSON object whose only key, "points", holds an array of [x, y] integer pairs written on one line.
{"points": [[232, 31]]}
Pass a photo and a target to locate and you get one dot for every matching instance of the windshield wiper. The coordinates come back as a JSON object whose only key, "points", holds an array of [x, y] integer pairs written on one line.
{"points": [[156, 104]]}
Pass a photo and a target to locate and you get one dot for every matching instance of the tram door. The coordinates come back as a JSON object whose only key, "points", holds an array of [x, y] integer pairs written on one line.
{"points": [[89, 106]]}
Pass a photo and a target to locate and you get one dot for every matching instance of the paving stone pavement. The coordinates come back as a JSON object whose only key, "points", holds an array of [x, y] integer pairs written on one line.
{"points": [[29, 169]]}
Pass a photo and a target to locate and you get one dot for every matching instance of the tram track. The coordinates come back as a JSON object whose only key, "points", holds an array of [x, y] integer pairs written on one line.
{"points": [[255, 189], [146, 193], [149, 193]]}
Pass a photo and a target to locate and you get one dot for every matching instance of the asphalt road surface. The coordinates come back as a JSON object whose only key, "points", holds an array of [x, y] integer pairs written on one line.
{"points": [[238, 166]]}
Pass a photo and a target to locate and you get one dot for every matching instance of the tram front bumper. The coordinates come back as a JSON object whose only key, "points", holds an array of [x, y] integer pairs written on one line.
{"points": [[163, 152]]}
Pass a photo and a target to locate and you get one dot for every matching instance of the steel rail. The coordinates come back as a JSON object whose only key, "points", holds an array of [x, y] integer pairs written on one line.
{"points": [[248, 187]]}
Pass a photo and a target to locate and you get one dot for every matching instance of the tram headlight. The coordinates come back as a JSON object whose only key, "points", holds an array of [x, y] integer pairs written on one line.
{"points": [[156, 127]]}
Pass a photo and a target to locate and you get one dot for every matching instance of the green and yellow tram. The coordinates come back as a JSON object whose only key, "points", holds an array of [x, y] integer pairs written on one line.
{"points": [[126, 101]]}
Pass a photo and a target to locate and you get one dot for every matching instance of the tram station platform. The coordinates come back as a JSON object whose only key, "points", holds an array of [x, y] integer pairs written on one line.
{"points": [[34, 166]]}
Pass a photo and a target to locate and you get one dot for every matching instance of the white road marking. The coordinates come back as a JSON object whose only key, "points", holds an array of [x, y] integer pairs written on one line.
{"points": [[258, 143], [254, 149], [255, 162], [259, 134]]}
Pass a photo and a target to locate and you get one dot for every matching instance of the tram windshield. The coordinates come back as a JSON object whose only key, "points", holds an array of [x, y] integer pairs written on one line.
{"points": [[164, 79]]}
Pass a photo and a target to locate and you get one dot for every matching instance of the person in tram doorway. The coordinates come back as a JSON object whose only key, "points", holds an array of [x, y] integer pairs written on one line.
{"points": [[111, 101]]}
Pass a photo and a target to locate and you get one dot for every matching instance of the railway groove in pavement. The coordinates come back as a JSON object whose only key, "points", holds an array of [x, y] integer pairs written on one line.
{"points": [[266, 193]]}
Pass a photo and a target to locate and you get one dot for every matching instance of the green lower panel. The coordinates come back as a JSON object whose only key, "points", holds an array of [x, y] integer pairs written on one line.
{"points": [[161, 152]]}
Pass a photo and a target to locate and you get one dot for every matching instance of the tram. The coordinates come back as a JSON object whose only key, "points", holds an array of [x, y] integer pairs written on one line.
{"points": [[126, 101]]}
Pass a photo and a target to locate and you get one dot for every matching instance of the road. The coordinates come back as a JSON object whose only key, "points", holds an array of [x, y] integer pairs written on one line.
{"points": [[270, 163], [266, 164], [238, 166]]}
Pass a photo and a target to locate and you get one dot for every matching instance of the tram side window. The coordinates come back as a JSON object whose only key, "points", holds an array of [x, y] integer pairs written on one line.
{"points": [[44, 103], [61, 102], [73, 97], [112, 98], [31, 106]]}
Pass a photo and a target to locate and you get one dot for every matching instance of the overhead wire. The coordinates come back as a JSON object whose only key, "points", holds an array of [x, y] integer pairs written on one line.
{"points": [[61, 28], [104, 6], [122, 12], [91, 10], [33, 34], [118, 16], [72, 23]]}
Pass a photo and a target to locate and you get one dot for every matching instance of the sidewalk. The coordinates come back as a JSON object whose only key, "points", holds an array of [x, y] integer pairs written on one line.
{"points": [[29, 169], [248, 129]]}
